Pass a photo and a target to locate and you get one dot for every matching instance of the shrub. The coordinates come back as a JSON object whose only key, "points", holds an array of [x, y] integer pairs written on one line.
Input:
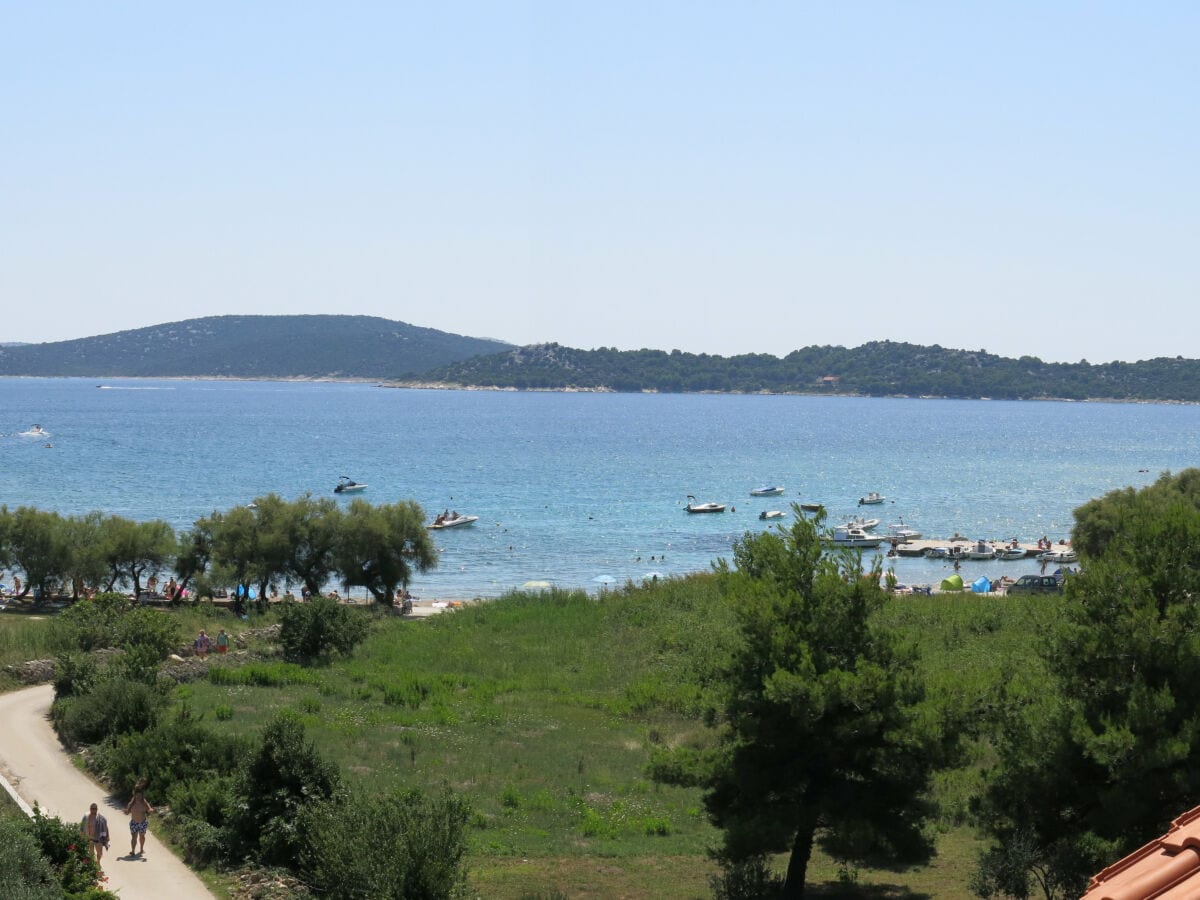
{"points": [[311, 631], [90, 624], [394, 846], [25, 874], [62, 844], [158, 633], [182, 748], [273, 787], [112, 707], [749, 879], [74, 673]]}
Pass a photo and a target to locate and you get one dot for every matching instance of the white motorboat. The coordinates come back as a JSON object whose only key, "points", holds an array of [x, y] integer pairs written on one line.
{"points": [[35, 431], [860, 522], [900, 532], [845, 536], [694, 507], [452, 520], [347, 485], [1011, 553], [772, 514], [772, 490], [1065, 555], [872, 499], [982, 550]]}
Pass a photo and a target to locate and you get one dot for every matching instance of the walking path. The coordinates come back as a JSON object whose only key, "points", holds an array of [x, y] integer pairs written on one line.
{"points": [[33, 761]]}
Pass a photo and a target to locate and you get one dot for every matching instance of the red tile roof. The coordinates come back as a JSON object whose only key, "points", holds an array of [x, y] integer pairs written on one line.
{"points": [[1165, 869]]}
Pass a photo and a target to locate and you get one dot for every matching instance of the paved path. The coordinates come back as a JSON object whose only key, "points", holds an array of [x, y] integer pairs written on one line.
{"points": [[33, 762]]}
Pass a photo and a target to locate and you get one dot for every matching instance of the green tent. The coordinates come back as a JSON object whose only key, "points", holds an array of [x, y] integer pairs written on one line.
{"points": [[953, 583]]}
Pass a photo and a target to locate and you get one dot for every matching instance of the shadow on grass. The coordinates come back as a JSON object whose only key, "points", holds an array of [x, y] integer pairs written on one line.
{"points": [[832, 890]]}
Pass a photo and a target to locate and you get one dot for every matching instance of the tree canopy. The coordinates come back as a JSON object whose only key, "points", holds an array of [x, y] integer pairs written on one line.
{"points": [[820, 737], [1105, 758]]}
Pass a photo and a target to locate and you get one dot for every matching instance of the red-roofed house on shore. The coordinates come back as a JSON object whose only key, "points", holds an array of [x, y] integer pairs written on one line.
{"points": [[1165, 869]]}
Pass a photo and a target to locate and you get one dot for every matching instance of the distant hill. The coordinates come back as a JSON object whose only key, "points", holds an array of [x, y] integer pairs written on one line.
{"points": [[253, 347], [881, 368]]}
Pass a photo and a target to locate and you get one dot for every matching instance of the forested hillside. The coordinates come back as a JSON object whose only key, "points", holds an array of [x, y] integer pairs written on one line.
{"points": [[252, 347], [880, 368]]}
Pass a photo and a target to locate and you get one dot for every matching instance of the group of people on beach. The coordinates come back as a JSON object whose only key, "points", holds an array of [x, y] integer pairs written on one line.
{"points": [[94, 827]]}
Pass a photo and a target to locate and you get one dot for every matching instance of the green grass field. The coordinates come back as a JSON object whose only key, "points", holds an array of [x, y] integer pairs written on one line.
{"points": [[541, 711]]}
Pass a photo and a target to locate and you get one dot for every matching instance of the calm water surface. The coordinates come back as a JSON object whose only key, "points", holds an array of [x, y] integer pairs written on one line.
{"points": [[569, 487]]}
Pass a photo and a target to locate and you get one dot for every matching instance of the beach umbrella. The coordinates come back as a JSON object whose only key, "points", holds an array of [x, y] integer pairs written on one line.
{"points": [[605, 579]]}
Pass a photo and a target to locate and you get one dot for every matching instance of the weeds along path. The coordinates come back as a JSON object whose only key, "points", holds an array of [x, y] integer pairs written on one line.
{"points": [[33, 761]]}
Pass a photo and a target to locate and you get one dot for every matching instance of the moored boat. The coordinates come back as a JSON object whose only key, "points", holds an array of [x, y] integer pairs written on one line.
{"points": [[694, 507], [846, 536], [772, 514], [1065, 555], [771, 490], [872, 499], [982, 550]]}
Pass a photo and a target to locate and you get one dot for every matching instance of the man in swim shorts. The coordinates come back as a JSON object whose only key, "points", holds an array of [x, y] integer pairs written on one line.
{"points": [[138, 809]]}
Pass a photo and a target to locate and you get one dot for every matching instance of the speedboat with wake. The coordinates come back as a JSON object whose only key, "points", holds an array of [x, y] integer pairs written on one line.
{"points": [[35, 431]]}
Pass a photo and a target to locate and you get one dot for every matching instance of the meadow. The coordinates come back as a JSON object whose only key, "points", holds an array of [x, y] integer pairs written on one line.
{"points": [[542, 711]]}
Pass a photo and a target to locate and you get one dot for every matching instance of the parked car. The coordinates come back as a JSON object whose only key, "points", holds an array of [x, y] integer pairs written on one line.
{"points": [[1036, 584]]}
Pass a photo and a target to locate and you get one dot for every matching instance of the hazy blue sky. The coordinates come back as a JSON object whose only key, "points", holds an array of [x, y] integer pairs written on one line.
{"points": [[721, 178]]}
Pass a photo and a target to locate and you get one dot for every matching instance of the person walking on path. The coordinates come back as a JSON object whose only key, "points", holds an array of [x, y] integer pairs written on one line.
{"points": [[201, 644], [138, 809], [95, 828], [222, 641]]}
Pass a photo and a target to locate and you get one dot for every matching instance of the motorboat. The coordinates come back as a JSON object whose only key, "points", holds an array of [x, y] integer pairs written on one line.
{"points": [[900, 532], [905, 550], [772, 514], [452, 520], [847, 536], [982, 550], [860, 522], [1011, 553], [347, 485], [1065, 555], [772, 490], [811, 507], [694, 507], [35, 431], [872, 499], [954, 551]]}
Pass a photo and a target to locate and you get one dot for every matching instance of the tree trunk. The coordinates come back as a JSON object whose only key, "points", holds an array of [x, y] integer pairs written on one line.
{"points": [[797, 870]]}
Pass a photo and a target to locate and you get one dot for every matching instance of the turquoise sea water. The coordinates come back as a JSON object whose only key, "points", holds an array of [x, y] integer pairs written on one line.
{"points": [[569, 487]]}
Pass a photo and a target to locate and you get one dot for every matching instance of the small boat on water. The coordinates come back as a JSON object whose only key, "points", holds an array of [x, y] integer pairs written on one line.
{"points": [[982, 550], [901, 533], [872, 499], [772, 514], [811, 507], [35, 431], [694, 507], [772, 490], [1011, 553], [846, 536], [347, 485], [451, 520], [860, 522], [1065, 555]]}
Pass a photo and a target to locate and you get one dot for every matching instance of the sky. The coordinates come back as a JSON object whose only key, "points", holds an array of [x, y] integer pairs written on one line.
{"points": [[1016, 177]]}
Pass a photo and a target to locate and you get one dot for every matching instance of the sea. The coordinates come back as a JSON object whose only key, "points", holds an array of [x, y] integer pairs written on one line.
{"points": [[582, 490]]}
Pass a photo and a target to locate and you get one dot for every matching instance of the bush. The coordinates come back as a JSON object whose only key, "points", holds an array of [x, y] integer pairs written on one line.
{"points": [[74, 673], [63, 845], [749, 879], [394, 846], [312, 631], [112, 707], [158, 633], [90, 624], [273, 787], [25, 874], [181, 749]]}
